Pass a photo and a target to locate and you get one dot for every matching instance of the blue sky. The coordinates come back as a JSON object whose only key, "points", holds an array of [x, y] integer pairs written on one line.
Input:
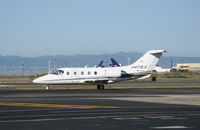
{"points": [[54, 27]]}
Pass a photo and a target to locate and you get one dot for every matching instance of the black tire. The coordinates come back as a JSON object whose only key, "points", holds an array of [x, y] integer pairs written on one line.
{"points": [[100, 86], [153, 79]]}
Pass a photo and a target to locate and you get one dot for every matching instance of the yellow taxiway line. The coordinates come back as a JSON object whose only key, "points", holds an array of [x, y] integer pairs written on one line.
{"points": [[52, 105]]}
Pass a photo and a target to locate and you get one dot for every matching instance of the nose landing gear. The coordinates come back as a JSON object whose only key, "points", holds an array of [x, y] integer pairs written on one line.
{"points": [[47, 87]]}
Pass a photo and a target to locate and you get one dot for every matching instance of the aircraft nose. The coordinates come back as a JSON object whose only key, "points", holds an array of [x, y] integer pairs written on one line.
{"points": [[41, 80], [36, 80]]}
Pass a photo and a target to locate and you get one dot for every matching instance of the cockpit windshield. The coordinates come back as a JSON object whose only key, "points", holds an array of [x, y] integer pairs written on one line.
{"points": [[57, 72]]}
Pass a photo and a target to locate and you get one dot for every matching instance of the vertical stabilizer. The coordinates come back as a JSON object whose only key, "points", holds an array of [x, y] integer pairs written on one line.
{"points": [[100, 64], [114, 63], [148, 61]]}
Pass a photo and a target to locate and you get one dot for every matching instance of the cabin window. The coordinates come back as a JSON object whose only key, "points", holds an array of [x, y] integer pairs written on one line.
{"points": [[75, 73], [60, 71], [95, 73], [89, 73], [68, 73], [82, 73]]}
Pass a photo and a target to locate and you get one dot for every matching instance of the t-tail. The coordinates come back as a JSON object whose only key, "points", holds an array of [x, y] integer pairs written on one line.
{"points": [[148, 61]]}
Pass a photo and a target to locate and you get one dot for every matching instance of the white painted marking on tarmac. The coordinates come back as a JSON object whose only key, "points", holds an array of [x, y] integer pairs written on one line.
{"points": [[127, 118], [170, 127], [165, 117], [7, 85]]}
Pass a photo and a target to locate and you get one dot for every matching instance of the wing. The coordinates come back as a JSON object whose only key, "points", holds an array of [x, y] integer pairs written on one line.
{"points": [[96, 81]]}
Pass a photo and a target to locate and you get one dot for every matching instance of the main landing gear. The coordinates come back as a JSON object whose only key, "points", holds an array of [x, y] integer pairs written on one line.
{"points": [[100, 86]]}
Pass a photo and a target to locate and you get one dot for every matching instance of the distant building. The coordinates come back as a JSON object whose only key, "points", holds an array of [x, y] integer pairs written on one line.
{"points": [[188, 66]]}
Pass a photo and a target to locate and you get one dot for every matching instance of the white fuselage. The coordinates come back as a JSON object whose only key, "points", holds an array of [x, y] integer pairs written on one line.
{"points": [[89, 75]]}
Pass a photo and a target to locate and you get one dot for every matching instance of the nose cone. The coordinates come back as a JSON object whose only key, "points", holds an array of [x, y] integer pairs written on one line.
{"points": [[42, 80], [36, 80]]}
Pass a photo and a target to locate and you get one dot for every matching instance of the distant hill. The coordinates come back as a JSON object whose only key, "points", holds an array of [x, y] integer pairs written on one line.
{"points": [[34, 65]]}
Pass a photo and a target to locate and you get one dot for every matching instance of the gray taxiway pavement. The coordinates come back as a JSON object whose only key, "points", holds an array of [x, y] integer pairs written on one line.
{"points": [[118, 109]]}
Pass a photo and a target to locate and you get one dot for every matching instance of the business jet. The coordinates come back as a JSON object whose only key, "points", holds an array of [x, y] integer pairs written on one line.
{"points": [[99, 76]]}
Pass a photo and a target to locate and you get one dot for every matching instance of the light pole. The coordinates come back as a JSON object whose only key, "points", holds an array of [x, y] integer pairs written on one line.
{"points": [[49, 66], [128, 59], [22, 69]]}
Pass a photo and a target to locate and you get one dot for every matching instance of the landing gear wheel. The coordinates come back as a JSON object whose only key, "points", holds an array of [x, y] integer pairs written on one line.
{"points": [[153, 78], [100, 86], [46, 87]]}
